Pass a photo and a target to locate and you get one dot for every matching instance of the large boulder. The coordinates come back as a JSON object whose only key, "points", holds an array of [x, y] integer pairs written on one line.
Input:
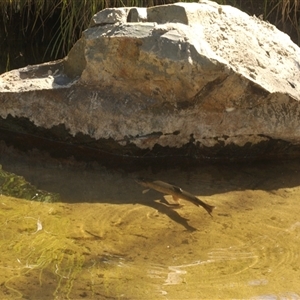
{"points": [[186, 79]]}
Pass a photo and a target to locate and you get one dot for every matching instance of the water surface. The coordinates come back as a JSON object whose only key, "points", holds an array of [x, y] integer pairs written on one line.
{"points": [[105, 239]]}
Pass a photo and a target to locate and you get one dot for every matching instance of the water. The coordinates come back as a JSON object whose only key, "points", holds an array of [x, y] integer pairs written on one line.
{"points": [[105, 239]]}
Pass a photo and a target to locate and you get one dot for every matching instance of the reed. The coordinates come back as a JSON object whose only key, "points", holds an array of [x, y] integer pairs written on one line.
{"points": [[70, 17], [73, 16], [285, 15]]}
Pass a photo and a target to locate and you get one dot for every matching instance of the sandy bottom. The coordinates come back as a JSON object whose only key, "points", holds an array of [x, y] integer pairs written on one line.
{"points": [[107, 240]]}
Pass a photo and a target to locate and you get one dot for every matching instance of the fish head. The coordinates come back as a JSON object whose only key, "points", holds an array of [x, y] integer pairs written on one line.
{"points": [[139, 179], [142, 181]]}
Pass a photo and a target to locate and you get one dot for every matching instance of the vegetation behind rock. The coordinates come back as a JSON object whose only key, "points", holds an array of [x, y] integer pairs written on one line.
{"points": [[35, 31]]}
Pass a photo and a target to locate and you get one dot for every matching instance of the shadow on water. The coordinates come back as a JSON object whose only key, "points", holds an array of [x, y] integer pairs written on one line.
{"points": [[106, 239], [80, 182]]}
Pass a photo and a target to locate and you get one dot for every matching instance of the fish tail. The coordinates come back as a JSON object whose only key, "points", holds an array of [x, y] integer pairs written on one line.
{"points": [[209, 208]]}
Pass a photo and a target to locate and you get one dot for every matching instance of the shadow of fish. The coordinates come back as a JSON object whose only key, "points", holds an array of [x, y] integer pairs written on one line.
{"points": [[176, 192]]}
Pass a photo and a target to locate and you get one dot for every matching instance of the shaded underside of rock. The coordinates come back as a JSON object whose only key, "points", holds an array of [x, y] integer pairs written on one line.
{"points": [[193, 80]]}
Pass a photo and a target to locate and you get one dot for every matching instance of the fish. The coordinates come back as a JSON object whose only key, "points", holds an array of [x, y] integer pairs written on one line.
{"points": [[176, 192]]}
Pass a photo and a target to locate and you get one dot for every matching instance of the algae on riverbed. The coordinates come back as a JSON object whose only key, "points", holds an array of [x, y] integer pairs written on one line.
{"points": [[107, 240], [16, 186]]}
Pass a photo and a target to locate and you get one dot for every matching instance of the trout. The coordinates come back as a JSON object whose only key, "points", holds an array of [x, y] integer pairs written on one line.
{"points": [[176, 192]]}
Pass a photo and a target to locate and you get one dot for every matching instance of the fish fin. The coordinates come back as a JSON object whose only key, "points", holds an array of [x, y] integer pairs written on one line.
{"points": [[176, 199], [145, 191], [175, 206], [177, 189], [209, 208]]}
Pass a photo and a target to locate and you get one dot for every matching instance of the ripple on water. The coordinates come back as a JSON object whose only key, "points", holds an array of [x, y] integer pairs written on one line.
{"points": [[258, 253], [287, 296], [126, 245]]}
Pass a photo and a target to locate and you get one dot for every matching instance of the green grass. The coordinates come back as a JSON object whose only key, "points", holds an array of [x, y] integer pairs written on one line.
{"points": [[70, 17], [74, 17]]}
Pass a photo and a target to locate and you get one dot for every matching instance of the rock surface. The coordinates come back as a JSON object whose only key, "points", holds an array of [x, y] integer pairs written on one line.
{"points": [[191, 79]]}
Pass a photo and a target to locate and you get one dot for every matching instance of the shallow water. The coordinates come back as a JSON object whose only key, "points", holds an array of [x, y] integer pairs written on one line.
{"points": [[108, 240]]}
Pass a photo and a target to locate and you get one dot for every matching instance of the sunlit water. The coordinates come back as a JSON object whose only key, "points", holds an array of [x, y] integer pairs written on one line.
{"points": [[108, 240]]}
